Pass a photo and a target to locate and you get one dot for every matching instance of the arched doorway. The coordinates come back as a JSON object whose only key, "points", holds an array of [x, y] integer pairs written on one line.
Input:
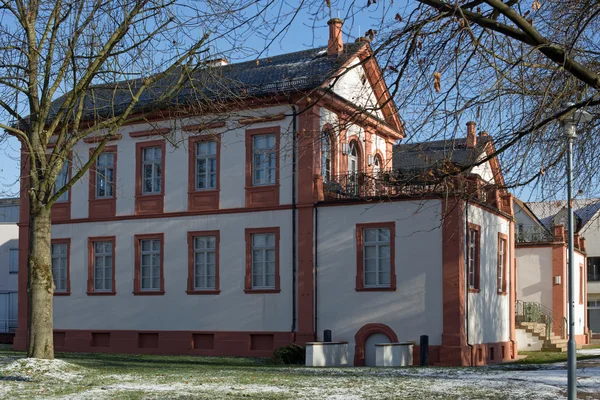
{"points": [[354, 167], [364, 333], [370, 349]]}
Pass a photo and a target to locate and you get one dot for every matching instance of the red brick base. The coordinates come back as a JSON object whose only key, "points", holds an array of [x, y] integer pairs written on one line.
{"points": [[243, 344]]}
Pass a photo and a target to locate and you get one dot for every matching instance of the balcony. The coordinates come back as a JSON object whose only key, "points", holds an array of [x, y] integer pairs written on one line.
{"points": [[361, 185], [533, 234]]}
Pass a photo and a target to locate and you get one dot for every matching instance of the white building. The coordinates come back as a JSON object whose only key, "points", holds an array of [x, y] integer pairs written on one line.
{"points": [[542, 272], [9, 255], [280, 219]]}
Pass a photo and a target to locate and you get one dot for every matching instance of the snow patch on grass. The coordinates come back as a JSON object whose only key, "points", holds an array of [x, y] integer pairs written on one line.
{"points": [[32, 368]]}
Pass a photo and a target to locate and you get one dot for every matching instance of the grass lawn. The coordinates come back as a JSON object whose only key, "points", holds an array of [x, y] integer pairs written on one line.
{"points": [[545, 357], [106, 376]]}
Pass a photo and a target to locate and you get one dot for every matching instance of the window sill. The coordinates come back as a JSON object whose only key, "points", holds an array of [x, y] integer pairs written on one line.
{"points": [[148, 292], [502, 293], [472, 290], [261, 291], [101, 293], [375, 289], [200, 292], [62, 293]]}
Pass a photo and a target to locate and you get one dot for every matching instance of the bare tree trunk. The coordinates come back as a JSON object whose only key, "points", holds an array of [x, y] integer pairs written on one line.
{"points": [[40, 287]]}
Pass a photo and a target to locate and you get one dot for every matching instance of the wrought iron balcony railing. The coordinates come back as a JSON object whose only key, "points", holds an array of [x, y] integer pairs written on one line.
{"points": [[362, 185], [533, 234]]}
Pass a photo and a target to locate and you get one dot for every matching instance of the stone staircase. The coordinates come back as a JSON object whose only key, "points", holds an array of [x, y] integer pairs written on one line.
{"points": [[538, 329]]}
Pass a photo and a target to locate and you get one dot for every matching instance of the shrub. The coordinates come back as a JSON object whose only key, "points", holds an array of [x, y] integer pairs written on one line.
{"points": [[289, 355]]}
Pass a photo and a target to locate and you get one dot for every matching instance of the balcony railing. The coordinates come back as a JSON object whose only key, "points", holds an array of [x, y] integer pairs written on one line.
{"points": [[533, 234], [384, 184], [593, 277]]}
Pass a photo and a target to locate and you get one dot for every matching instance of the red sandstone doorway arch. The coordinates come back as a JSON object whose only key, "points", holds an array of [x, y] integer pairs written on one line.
{"points": [[363, 334]]}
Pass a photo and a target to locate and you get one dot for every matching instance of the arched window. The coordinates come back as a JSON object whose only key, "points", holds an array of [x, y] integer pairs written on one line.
{"points": [[353, 158], [326, 156], [377, 163]]}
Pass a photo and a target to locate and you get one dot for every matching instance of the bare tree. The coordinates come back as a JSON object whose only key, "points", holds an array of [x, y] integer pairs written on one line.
{"points": [[509, 65], [73, 68]]}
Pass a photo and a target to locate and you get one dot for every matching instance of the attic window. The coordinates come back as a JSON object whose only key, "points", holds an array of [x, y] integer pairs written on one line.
{"points": [[363, 79]]}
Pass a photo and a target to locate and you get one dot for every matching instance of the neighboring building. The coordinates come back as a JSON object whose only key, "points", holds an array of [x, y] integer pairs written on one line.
{"points": [[9, 256], [292, 224], [542, 278]]}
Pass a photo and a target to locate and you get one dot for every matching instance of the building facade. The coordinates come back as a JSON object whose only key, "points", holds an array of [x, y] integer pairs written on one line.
{"points": [[9, 267], [238, 233]]}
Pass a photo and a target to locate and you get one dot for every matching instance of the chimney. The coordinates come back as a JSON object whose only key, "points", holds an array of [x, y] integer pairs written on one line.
{"points": [[335, 45], [218, 62], [471, 136]]}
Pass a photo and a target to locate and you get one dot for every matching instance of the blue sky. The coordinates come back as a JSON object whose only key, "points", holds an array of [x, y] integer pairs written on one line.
{"points": [[309, 29]]}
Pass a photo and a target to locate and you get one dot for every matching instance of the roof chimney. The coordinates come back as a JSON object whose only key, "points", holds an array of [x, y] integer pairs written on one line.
{"points": [[335, 45], [471, 136]]}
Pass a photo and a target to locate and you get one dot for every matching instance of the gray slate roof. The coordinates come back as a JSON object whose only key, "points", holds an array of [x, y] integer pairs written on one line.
{"points": [[286, 73], [426, 156], [584, 209]]}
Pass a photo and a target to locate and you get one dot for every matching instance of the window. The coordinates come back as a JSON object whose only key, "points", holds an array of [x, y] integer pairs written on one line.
{"points": [[13, 261], [149, 185], [101, 265], [61, 181], [149, 273], [203, 274], [377, 165], [105, 171], [326, 156], [375, 256], [60, 265], [473, 257], [502, 262], [151, 170], [206, 165], [262, 167], [593, 268], [262, 260], [264, 160]]}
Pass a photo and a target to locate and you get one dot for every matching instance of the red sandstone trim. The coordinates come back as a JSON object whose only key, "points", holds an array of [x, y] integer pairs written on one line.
{"points": [[202, 127], [177, 214], [477, 229], [68, 243], [205, 343], [150, 132], [103, 207], [559, 292], [256, 120], [91, 264], [99, 138], [264, 195], [502, 289], [149, 203], [202, 200], [363, 334], [360, 286], [137, 267], [248, 278], [190, 281]]}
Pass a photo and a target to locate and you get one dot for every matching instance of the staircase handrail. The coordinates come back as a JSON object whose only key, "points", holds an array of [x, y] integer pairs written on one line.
{"points": [[534, 312]]}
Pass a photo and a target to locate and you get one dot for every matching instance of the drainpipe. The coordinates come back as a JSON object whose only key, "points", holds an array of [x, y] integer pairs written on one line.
{"points": [[294, 241], [316, 266], [466, 245]]}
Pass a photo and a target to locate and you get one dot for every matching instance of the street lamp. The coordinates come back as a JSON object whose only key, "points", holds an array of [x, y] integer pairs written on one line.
{"points": [[569, 125]]}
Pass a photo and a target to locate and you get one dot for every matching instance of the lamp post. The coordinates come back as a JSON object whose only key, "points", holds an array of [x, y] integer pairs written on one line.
{"points": [[569, 125]]}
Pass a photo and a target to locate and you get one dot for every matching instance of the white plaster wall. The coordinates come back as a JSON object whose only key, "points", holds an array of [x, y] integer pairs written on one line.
{"points": [[591, 233], [579, 308], [232, 309], [489, 312], [350, 86], [522, 217], [9, 239], [232, 165], [415, 308], [534, 275], [484, 170]]}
